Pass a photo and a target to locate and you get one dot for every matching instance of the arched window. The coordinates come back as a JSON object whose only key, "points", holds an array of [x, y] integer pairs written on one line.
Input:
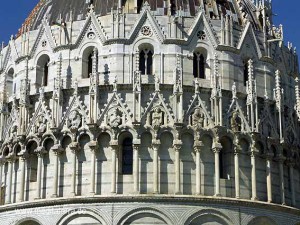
{"points": [[199, 65], [146, 61], [9, 82], [42, 73], [33, 161], [246, 73], [127, 156], [87, 61]]}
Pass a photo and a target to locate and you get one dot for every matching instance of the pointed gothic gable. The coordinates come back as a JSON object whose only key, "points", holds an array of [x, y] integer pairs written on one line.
{"points": [[91, 29], [157, 101], [76, 114], [197, 103], [202, 23], [146, 18], [41, 120], [249, 40], [10, 128], [44, 34], [290, 132], [115, 112], [267, 124], [279, 57], [236, 110], [14, 52], [7, 57]]}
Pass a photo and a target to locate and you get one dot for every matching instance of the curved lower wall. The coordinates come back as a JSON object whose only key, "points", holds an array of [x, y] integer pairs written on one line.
{"points": [[146, 210]]}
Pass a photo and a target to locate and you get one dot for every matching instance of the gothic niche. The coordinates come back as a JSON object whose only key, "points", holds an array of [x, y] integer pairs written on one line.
{"points": [[41, 125], [115, 117], [74, 120], [236, 121], [197, 118], [157, 118]]}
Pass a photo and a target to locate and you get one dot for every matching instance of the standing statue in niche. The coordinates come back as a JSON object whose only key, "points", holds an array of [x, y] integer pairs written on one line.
{"points": [[75, 120], [235, 121], [41, 125], [157, 118], [115, 118], [198, 118]]}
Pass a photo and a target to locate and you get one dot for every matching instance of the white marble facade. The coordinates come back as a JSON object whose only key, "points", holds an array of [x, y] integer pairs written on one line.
{"points": [[149, 115]]}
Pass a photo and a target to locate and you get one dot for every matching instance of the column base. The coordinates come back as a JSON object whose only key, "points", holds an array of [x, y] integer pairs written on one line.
{"points": [[92, 194], [37, 198], [217, 195], [254, 199], [54, 196], [237, 197], [177, 193]]}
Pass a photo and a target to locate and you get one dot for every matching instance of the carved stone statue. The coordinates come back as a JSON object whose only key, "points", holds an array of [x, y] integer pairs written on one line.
{"points": [[198, 118], [74, 119], [235, 121], [41, 125], [157, 118], [115, 118]]}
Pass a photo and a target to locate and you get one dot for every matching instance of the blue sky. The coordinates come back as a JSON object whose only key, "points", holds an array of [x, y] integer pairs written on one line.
{"points": [[14, 12]]}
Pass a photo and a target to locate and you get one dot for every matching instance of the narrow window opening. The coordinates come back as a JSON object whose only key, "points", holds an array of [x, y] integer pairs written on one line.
{"points": [[46, 74], [146, 62], [246, 73], [199, 65], [127, 157], [221, 167], [90, 65]]}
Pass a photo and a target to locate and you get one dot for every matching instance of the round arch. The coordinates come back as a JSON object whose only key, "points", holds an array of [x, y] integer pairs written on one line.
{"points": [[144, 214], [262, 220], [28, 221], [81, 217], [206, 217]]}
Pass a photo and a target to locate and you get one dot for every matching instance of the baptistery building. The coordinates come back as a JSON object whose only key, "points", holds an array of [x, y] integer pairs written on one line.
{"points": [[170, 112]]}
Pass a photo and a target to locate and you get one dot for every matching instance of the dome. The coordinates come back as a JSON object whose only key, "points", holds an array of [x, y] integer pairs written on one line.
{"points": [[65, 10]]}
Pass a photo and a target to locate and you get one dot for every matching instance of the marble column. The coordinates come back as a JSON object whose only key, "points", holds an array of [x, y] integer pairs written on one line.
{"points": [[291, 165], [269, 176], [253, 176], [136, 167], [281, 179], [11, 160], [114, 151], [177, 147], [57, 150], [74, 146], [216, 149], [198, 145], [40, 151], [93, 147], [23, 159], [155, 146], [2, 162], [237, 173]]}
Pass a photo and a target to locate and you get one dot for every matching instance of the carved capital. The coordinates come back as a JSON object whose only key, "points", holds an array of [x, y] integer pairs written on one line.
{"points": [[93, 146], [216, 148], [198, 145], [40, 151], [155, 144], [74, 146], [57, 149]]}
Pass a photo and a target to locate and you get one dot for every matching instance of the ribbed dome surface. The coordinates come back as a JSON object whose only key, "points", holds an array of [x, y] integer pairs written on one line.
{"points": [[77, 9]]}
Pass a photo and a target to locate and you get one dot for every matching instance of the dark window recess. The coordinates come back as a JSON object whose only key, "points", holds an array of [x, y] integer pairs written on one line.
{"points": [[221, 167], [246, 74], [127, 156], [46, 73], [139, 5], [199, 66], [142, 62], [149, 62], [90, 65]]}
